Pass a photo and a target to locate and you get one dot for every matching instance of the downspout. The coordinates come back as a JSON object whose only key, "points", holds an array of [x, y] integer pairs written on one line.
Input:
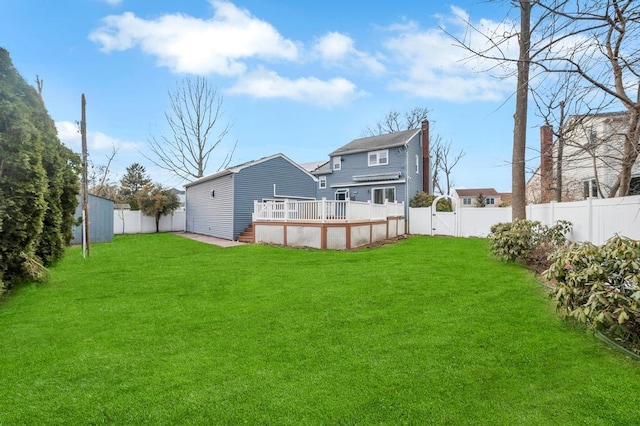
{"points": [[406, 188]]}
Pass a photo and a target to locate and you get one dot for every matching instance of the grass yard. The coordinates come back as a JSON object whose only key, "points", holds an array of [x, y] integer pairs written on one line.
{"points": [[159, 329]]}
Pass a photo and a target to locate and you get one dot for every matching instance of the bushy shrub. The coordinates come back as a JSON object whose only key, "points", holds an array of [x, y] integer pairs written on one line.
{"points": [[599, 286], [422, 199], [528, 242]]}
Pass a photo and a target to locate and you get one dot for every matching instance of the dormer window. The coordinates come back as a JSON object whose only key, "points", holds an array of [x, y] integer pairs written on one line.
{"points": [[337, 163], [378, 158]]}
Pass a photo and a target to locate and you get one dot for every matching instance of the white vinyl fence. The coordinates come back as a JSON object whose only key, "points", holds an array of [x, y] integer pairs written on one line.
{"points": [[594, 220], [134, 222]]}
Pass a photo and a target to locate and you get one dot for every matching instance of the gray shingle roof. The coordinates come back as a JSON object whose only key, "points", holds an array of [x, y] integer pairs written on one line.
{"points": [[372, 143]]}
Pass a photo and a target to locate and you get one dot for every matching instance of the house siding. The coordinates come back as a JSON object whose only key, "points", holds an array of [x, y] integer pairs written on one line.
{"points": [[255, 183], [582, 161], [211, 215], [401, 159]]}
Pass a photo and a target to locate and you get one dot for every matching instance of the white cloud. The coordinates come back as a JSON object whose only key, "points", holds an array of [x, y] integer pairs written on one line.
{"points": [[69, 134], [268, 84], [432, 65], [339, 49], [186, 44], [113, 2]]}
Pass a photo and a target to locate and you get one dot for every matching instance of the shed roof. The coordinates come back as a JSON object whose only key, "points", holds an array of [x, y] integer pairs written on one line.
{"points": [[389, 140], [240, 167]]}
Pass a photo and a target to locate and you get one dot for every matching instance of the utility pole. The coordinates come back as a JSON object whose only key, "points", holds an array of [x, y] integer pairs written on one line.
{"points": [[85, 185]]}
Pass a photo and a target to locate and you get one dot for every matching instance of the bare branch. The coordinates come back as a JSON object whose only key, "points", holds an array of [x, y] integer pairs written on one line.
{"points": [[196, 131]]}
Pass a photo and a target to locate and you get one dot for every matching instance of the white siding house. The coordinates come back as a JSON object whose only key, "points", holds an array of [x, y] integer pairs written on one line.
{"points": [[589, 160]]}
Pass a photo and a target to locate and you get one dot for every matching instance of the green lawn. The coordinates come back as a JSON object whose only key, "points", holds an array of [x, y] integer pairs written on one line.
{"points": [[158, 329]]}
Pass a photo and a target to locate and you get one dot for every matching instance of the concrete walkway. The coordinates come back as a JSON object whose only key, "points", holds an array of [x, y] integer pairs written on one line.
{"points": [[208, 239]]}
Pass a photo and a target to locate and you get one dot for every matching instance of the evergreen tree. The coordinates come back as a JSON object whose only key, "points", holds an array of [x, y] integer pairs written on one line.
{"points": [[481, 200], [38, 182], [22, 176], [132, 182]]}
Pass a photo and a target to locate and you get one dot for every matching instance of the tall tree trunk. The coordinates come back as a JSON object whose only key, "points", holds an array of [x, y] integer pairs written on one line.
{"points": [[520, 117], [630, 151]]}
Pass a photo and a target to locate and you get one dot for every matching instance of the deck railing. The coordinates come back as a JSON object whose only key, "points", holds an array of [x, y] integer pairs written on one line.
{"points": [[324, 210]]}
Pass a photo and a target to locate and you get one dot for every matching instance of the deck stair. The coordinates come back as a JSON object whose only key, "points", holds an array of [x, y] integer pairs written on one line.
{"points": [[247, 235]]}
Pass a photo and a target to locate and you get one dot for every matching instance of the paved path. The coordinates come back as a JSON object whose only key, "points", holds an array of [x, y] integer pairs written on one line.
{"points": [[208, 239]]}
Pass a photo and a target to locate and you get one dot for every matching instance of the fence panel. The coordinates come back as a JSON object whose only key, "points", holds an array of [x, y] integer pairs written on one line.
{"points": [[134, 222], [594, 220]]}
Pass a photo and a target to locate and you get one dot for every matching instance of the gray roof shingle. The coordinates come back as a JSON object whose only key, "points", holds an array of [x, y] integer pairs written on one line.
{"points": [[373, 143]]}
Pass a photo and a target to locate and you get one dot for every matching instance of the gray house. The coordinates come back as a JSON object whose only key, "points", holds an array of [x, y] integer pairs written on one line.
{"points": [[392, 167], [100, 220], [221, 205]]}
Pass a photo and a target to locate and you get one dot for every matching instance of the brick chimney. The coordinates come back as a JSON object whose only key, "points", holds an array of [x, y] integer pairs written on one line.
{"points": [[547, 189], [426, 160]]}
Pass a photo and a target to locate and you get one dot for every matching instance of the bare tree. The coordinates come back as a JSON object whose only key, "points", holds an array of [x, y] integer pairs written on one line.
{"points": [[196, 130], [603, 66], [100, 181], [607, 60], [539, 36], [444, 160], [395, 121], [596, 40]]}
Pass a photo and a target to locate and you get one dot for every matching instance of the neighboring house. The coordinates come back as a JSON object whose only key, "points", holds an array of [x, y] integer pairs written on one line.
{"points": [[221, 205], [100, 220], [470, 197], [591, 156], [391, 167]]}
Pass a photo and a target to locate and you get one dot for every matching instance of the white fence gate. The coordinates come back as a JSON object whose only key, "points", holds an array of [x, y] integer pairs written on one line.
{"points": [[443, 223]]}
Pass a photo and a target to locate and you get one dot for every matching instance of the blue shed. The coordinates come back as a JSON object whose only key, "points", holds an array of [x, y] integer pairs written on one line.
{"points": [[100, 220], [221, 204]]}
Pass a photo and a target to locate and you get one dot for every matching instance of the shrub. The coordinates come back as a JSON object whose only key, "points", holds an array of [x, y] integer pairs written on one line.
{"points": [[599, 286], [422, 199], [528, 242]]}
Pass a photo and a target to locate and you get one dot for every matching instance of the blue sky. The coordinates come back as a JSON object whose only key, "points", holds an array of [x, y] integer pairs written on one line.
{"points": [[301, 78]]}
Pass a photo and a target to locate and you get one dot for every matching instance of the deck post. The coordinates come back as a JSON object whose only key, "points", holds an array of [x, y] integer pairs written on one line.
{"points": [[323, 211]]}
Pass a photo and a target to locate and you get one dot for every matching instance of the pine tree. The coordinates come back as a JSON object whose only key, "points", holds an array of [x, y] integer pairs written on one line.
{"points": [[132, 182]]}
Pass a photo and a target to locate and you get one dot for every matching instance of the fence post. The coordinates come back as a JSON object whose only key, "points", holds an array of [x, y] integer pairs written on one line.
{"points": [[590, 220], [286, 209], [323, 210]]}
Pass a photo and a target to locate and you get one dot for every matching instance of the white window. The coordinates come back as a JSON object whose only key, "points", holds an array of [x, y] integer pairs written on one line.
{"points": [[466, 201], [322, 183], [342, 194], [489, 201], [382, 194], [417, 164], [589, 188], [337, 163], [378, 158]]}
